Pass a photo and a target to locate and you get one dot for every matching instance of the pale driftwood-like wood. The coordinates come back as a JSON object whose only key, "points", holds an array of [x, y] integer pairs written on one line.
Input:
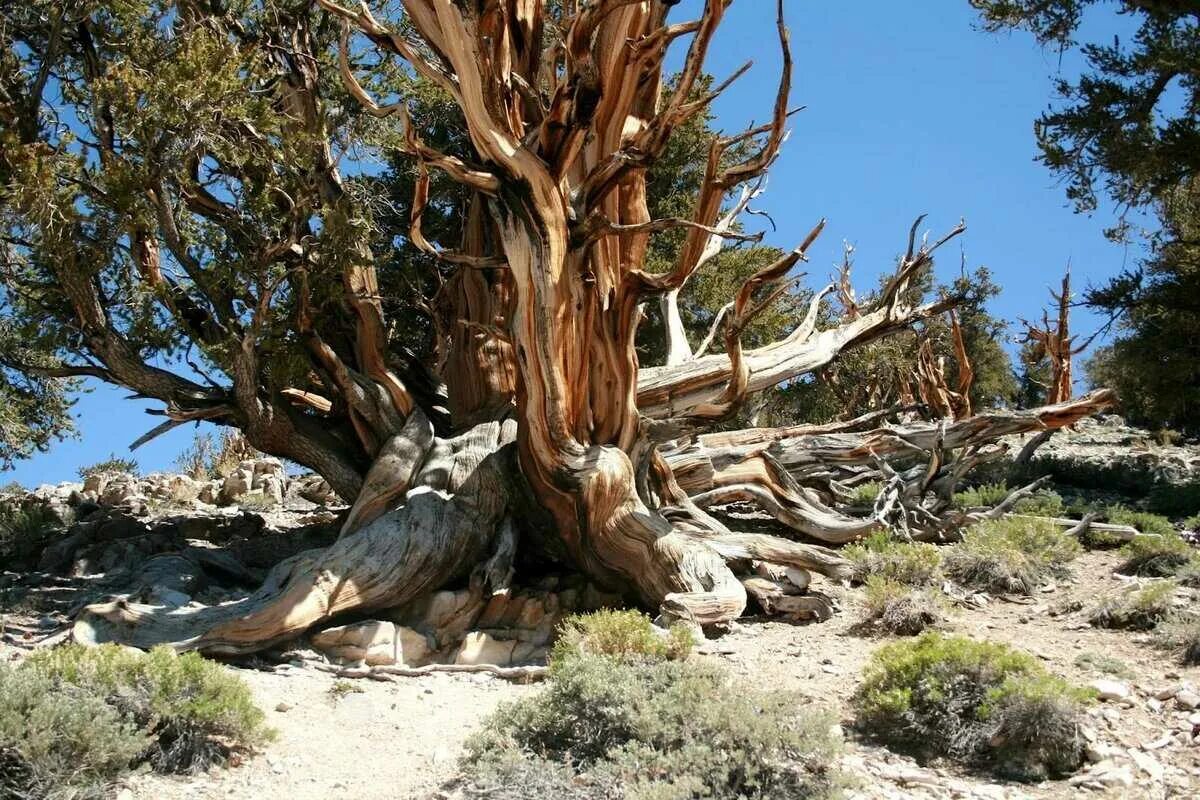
{"points": [[445, 527], [522, 674]]}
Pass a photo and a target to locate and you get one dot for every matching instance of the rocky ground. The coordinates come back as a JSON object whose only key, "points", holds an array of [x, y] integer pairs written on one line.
{"points": [[172, 541]]}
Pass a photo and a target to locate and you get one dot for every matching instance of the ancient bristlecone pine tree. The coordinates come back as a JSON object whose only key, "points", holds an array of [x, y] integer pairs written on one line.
{"points": [[557, 445]]}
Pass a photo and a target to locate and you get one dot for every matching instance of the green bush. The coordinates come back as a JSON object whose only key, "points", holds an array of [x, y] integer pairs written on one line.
{"points": [[885, 556], [983, 496], [196, 712], [1142, 520], [1180, 632], [109, 466], [1042, 503], [865, 494], [1106, 665], [624, 635], [1135, 609], [59, 742], [978, 703], [24, 530], [892, 607], [1010, 555], [607, 728], [1158, 556]]}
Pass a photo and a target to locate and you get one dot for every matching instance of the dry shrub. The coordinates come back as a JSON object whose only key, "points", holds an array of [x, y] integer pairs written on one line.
{"points": [[195, 711], [1135, 609], [1011, 555], [884, 556], [978, 703], [1157, 556], [892, 607], [605, 728], [1180, 633]]}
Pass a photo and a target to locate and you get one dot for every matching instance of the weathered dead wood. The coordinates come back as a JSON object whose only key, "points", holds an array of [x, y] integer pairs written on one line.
{"points": [[523, 674], [445, 527]]}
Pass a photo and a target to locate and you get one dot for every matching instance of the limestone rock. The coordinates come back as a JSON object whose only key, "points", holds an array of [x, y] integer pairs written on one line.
{"points": [[481, 648], [373, 642], [1110, 690]]}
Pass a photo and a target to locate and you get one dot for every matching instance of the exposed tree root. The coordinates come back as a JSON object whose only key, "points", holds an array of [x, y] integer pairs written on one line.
{"points": [[444, 530], [525, 674]]}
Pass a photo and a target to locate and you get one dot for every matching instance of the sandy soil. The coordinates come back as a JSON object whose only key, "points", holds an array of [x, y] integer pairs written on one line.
{"points": [[401, 739]]}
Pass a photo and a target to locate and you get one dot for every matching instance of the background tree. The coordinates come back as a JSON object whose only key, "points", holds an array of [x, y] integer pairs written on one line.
{"points": [[1129, 128]]}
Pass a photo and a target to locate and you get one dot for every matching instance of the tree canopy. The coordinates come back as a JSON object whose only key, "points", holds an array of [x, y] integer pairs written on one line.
{"points": [[1129, 128]]}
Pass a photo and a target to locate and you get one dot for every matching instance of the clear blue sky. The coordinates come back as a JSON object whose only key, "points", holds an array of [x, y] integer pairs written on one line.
{"points": [[910, 110]]}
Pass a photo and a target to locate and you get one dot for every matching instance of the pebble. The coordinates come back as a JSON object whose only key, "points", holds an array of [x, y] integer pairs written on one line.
{"points": [[283, 708]]}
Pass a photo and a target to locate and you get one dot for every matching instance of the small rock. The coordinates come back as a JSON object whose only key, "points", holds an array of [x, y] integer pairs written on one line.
{"points": [[1110, 690], [1147, 764], [283, 708], [1187, 700]]}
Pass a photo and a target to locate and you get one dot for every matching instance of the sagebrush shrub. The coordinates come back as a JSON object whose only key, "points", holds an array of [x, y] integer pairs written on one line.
{"points": [[1042, 503], [113, 465], [1157, 556], [865, 494], [892, 607], [1135, 609], [24, 529], [982, 496], [885, 556], [1180, 632], [196, 712], [624, 635], [1010, 555], [60, 741], [611, 728], [975, 702], [1142, 520]]}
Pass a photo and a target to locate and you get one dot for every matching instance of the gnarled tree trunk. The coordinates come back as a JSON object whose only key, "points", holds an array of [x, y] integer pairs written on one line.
{"points": [[537, 334]]}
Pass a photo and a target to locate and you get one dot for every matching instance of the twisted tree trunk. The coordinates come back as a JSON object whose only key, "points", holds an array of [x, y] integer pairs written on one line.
{"points": [[537, 351]]}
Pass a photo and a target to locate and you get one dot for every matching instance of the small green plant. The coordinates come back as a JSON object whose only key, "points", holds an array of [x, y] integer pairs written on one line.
{"points": [[1180, 633], [1042, 503], [1192, 523], [865, 494], [1135, 609], [113, 465], [60, 742], [1158, 556], [605, 727], [892, 607], [983, 496], [1106, 665], [339, 689], [883, 555], [24, 529], [623, 635], [1010, 555], [196, 712], [978, 703]]}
